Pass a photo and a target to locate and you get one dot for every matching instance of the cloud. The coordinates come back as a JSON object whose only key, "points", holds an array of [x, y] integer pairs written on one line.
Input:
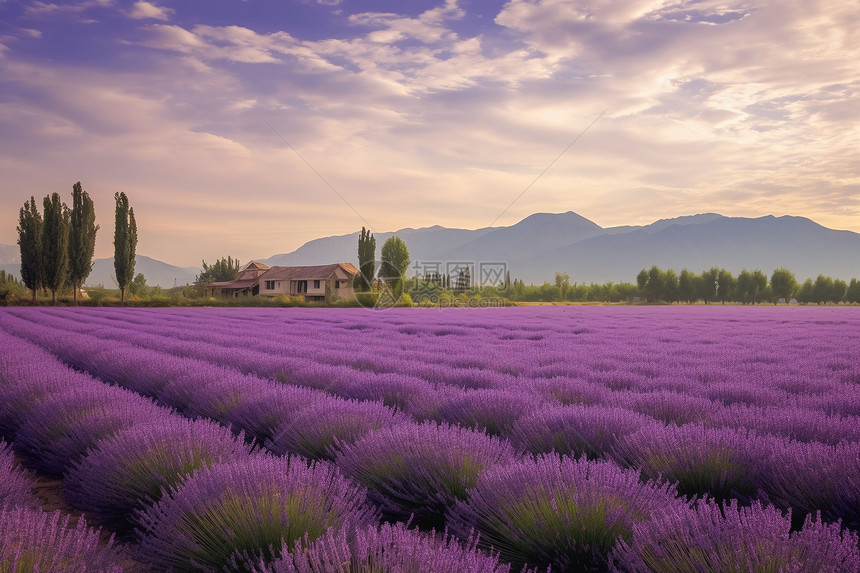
{"points": [[147, 10], [743, 108]]}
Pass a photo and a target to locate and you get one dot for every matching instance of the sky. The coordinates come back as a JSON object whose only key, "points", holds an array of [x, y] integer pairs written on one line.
{"points": [[247, 128]]}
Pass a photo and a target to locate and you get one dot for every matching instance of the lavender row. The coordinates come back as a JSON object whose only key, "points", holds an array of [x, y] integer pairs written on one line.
{"points": [[804, 420], [32, 539], [733, 359], [185, 483]]}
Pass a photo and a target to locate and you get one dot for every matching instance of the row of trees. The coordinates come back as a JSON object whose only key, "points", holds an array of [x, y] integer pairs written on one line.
{"points": [[748, 287], [57, 246]]}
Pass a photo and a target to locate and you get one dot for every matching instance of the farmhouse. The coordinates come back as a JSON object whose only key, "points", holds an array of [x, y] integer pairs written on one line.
{"points": [[314, 283]]}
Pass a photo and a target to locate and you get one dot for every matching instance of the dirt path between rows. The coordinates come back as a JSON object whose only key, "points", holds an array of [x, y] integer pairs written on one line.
{"points": [[50, 494]]}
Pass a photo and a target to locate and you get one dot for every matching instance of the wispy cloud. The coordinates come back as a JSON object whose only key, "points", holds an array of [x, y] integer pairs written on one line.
{"points": [[148, 10], [435, 117]]}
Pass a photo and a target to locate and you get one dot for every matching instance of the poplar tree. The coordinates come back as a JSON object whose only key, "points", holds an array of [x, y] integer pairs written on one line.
{"points": [[124, 243], [366, 258], [82, 238], [30, 241], [55, 244]]}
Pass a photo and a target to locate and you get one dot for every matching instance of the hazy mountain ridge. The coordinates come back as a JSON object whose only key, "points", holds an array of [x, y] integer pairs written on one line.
{"points": [[157, 273], [544, 243]]}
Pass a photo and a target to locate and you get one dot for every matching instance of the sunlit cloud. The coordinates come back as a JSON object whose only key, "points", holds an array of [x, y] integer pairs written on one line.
{"points": [[425, 117], [144, 10]]}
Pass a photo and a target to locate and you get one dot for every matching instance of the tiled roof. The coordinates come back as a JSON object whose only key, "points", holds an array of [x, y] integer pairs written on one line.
{"points": [[233, 284], [317, 272]]}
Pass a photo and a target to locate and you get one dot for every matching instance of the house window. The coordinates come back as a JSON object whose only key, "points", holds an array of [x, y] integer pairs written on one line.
{"points": [[270, 285], [316, 284]]}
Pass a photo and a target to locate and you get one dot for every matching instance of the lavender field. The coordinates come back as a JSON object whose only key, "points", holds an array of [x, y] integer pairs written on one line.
{"points": [[676, 439]]}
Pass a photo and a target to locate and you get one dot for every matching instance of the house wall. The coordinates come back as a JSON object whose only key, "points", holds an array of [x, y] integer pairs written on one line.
{"points": [[283, 287]]}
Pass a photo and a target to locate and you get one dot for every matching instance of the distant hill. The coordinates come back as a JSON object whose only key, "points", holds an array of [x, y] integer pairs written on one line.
{"points": [[544, 243], [156, 272], [10, 254]]}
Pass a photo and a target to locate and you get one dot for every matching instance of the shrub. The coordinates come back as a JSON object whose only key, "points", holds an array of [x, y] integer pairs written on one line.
{"points": [[16, 486], [720, 462], [591, 431], [493, 411], [714, 539], [421, 469], [558, 512], [393, 548], [814, 477], [261, 414], [322, 429], [128, 471], [59, 430], [248, 508], [34, 540]]}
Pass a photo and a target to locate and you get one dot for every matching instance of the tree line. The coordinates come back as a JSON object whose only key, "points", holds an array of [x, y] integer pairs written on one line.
{"points": [[57, 245], [714, 285], [748, 287]]}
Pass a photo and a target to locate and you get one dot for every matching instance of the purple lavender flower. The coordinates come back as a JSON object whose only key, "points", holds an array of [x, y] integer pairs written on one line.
{"points": [[557, 511], [393, 548], [576, 430], [322, 429], [572, 391], [670, 407], [407, 393], [421, 469], [248, 508], [261, 414], [814, 477], [16, 485], [714, 538], [130, 470], [34, 540], [720, 462], [60, 429], [493, 411]]}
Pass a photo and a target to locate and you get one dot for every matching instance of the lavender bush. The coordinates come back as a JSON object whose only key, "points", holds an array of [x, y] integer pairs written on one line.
{"points": [[34, 540], [421, 469], [321, 430], [493, 411], [714, 538], [247, 508], [16, 486], [721, 462], [591, 431], [60, 429], [557, 511], [128, 472], [393, 548]]}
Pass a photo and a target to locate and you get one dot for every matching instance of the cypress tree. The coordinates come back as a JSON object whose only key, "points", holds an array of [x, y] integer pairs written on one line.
{"points": [[124, 243], [30, 241], [55, 243], [82, 238], [366, 258]]}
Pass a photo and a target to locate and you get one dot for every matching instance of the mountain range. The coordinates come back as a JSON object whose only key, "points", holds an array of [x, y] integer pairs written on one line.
{"points": [[545, 243]]}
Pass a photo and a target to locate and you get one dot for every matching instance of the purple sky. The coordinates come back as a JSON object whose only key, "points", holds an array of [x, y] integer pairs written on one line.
{"points": [[421, 113]]}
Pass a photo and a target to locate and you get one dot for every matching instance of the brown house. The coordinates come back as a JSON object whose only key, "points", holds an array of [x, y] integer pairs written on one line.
{"points": [[314, 283]]}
